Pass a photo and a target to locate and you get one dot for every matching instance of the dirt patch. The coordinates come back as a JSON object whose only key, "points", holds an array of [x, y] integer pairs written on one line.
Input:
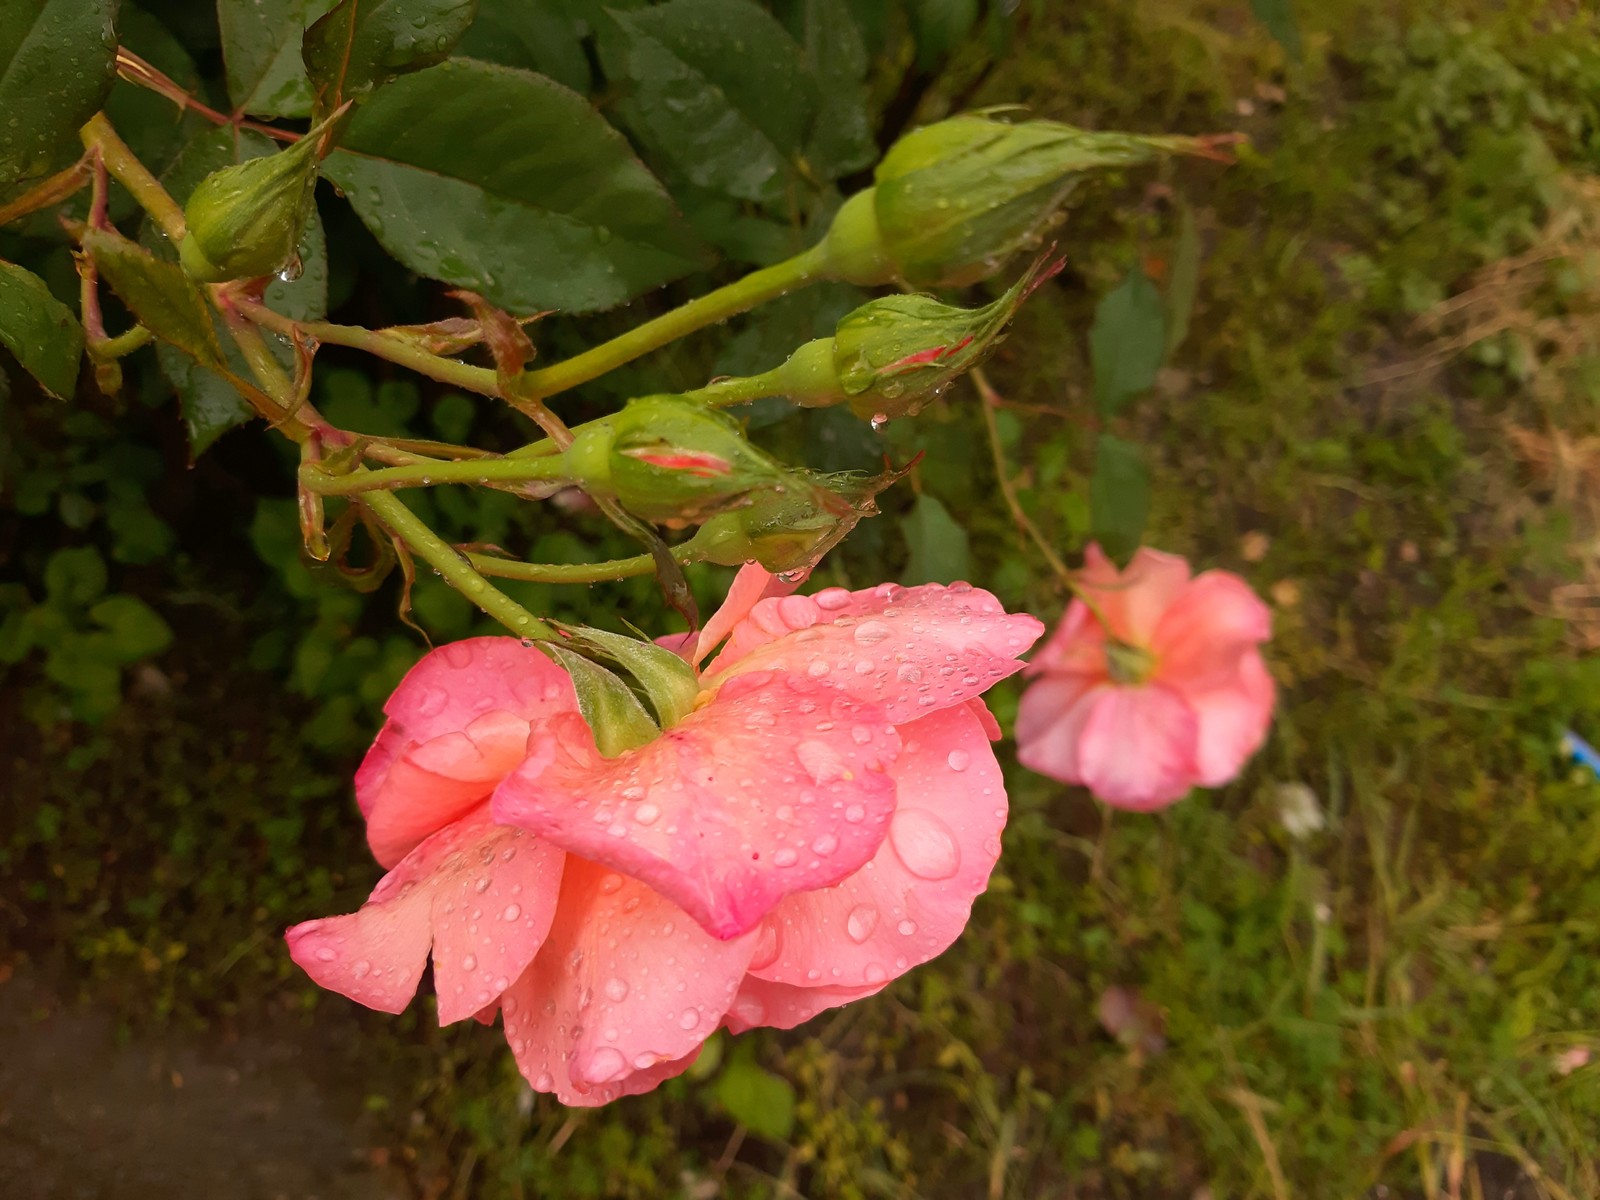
{"points": [[83, 1117]]}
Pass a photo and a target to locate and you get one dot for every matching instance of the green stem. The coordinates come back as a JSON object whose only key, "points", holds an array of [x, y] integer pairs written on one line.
{"points": [[739, 296], [721, 393], [620, 568], [132, 174], [123, 344], [380, 345], [424, 474], [457, 571], [988, 401]]}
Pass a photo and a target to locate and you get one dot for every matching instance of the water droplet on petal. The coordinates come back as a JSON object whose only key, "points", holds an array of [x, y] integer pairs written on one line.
{"points": [[907, 928], [605, 1064], [855, 814], [469, 963], [785, 857], [689, 1019], [870, 633], [512, 912], [924, 843], [825, 844], [482, 884], [818, 668], [832, 599], [821, 761], [875, 973], [959, 760], [326, 954], [616, 990], [647, 814], [610, 884], [863, 919], [545, 1083]]}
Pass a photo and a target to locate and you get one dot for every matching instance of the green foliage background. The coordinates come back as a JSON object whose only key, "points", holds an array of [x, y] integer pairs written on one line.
{"points": [[184, 699]]}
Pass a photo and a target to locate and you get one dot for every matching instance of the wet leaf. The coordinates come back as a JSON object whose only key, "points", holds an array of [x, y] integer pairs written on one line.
{"points": [[544, 207], [759, 1100], [161, 297], [41, 331], [56, 61], [718, 88], [361, 44], [261, 48], [1127, 341], [537, 35], [841, 138]]}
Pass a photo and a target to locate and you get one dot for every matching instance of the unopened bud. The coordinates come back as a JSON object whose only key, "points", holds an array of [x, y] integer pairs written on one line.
{"points": [[893, 355], [669, 460], [789, 528], [245, 221], [954, 200]]}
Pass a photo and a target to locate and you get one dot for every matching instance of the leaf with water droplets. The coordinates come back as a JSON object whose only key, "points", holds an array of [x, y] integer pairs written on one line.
{"points": [[39, 330], [718, 88], [361, 44], [545, 207], [261, 50], [56, 66]]}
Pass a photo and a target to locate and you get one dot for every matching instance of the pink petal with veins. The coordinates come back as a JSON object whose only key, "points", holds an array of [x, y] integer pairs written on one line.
{"points": [[624, 993], [914, 898], [777, 786], [912, 650], [481, 895]]}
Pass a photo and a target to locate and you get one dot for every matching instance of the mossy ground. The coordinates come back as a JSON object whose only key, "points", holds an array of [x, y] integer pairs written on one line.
{"points": [[1378, 1008]]}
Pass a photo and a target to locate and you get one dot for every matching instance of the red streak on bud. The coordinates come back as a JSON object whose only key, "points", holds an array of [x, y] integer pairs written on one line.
{"points": [[923, 357], [695, 462]]}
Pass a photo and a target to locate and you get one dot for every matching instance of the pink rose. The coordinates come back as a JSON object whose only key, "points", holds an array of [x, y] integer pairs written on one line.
{"points": [[818, 825], [1151, 685]]}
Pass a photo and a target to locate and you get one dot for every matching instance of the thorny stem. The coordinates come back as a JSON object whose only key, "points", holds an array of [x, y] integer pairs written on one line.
{"points": [[141, 74], [727, 301], [471, 470], [48, 192], [132, 174], [448, 561]]}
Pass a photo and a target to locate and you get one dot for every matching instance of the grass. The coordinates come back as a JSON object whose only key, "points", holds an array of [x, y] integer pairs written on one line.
{"points": [[1380, 1007]]}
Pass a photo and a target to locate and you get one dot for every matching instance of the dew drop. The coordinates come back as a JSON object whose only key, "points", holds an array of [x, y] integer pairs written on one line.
{"points": [[924, 844], [825, 844], [821, 761], [512, 912], [959, 760], [855, 814], [818, 668], [875, 973], [326, 954], [544, 1083], [606, 1064], [907, 928], [785, 858], [832, 599], [361, 969], [482, 884], [870, 633], [863, 919], [689, 1018], [469, 963], [610, 884], [647, 814], [616, 990]]}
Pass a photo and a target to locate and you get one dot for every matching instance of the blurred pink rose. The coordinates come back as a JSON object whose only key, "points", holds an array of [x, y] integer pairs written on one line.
{"points": [[1152, 684], [818, 825]]}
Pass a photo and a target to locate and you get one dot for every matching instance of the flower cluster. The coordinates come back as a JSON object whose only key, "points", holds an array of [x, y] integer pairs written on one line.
{"points": [[817, 825]]}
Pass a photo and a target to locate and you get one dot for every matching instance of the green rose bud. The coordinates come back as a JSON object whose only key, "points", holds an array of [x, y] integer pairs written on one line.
{"points": [[790, 527], [669, 460], [893, 355], [954, 200], [245, 221]]}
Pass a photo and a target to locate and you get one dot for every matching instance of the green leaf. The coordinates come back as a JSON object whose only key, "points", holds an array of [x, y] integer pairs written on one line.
{"points": [[719, 89], [1119, 496], [939, 27], [1127, 341], [40, 330], [1278, 16], [1185, 280], [161, 297], [137, 630], [153, 126], [211, 404], [536, 35], [841, 138], [940, 551], [613, 712], [74, 576], [362, 44], [667, 681], [759, 1100], [56, 66], [543, 207], [261, 49]]}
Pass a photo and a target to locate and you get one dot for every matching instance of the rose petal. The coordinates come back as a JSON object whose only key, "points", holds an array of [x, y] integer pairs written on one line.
{"points": [[991, 727], [623, 994], [1210, 628], [1137, 746], [783, 1006], [913, 650], [752, 584], [778, 785], [481, 895], [1233, 720], [1132, 601], [1050, 719], [458, 723], [914, 898], [1076, 647]]}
